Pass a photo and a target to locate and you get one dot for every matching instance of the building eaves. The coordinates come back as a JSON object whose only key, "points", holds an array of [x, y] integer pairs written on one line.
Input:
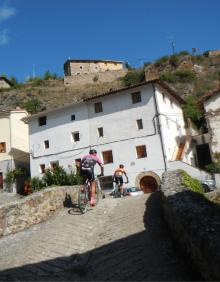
{"points": [[6, 80], [209, 95], [112, 92]]}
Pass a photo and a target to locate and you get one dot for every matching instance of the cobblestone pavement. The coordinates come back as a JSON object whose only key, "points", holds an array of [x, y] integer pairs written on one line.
{"points": [[119, 240], [8, 197]]}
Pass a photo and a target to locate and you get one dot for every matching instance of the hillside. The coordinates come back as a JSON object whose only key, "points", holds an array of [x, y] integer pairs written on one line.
{"points": [[186, 74]]}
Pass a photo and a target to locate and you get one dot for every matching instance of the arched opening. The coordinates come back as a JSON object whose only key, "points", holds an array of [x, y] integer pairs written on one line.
{"points": [[148, 181], [148, 184]]}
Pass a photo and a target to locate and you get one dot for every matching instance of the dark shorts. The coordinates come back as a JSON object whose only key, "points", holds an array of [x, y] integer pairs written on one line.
{"points": [[119, 180], [88, 173]]}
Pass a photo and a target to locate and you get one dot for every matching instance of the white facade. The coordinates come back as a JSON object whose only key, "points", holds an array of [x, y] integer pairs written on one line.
{"points": [[212, 109], [119, 121], [14, 143]]}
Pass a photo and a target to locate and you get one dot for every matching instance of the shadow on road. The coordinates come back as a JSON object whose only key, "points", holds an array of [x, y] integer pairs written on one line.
{"points": [[146, 256]]}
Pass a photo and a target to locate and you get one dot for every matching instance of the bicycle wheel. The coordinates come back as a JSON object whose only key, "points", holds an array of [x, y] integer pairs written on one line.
{"points": [[117, 192], [83, 199]]}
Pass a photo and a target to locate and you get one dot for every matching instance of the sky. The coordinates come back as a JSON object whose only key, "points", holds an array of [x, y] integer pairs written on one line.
{"points": [[40, 35]]}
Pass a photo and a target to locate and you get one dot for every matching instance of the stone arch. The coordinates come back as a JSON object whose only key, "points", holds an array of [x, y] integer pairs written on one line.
{"points": [[148, 181]]}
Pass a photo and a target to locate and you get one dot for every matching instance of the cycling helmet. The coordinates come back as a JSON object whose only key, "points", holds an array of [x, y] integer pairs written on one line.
{"points": [[93, 151]]}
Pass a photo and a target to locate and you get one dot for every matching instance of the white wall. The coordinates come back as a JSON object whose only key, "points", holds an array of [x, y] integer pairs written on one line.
{"points": [[213, 120], [172, 123], [5, 136]]}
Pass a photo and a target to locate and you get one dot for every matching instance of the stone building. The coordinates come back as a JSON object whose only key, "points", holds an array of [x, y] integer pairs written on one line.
{"points": [[76, 67], [79, 72]]}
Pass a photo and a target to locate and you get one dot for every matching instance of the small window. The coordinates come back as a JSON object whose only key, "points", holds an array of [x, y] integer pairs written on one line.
{"points": [[139, 124], [42, 121], [100, 132], [73, 117], [42, 168], [98, 107], [54, 165], [141, 151], [2, 147], [107, 157], [136, 97], [75, 136], [46, 144], [80, 67]]}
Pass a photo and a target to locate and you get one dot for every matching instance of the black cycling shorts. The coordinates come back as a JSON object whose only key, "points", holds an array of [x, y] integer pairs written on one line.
{"points": [[119, 180], [88, 173]]}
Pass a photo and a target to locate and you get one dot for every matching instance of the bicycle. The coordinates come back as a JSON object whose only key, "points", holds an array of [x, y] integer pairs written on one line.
{"points": [[116, 193], [84, 195]]}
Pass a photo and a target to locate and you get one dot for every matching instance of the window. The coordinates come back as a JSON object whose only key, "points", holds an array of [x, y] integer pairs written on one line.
{"points": [[139, 124], [42, 121], [54, 165], [100, 132], [46, 144], [141, 151], [136, 97], [75, 136], [73, 117], [2, 147], [98, 107], [42, 168], [107, 157]]}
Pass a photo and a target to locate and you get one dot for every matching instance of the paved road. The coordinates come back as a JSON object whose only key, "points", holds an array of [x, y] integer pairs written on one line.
{"points": [[119, 240]]}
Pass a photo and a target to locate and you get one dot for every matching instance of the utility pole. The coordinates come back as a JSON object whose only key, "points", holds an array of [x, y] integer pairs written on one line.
{"points": [[173, 47]]}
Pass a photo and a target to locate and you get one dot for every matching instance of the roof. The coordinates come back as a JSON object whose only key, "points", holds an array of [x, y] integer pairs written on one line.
{"points": [[93, 61], [209, 95], [163, 87], [6, 80]]}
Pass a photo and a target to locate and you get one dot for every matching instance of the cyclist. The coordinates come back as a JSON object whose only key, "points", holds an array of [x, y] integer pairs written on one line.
{"points": [[87, 170], [118, 177]]}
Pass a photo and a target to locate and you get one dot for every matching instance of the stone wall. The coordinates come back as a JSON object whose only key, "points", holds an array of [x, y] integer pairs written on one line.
{"points": [[32, 209], [194, 224], [94, 78]]}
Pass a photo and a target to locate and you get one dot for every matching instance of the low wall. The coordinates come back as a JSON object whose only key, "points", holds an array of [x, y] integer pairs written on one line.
{"points": [[32, 209], [194, 224]]}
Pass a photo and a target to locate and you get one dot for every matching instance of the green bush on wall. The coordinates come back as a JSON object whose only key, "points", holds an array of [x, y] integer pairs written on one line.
{"points": [[191, 183]]}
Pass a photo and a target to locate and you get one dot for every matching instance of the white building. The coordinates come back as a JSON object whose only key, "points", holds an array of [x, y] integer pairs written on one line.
{"points": [[4, 83], [14, 146], [211, 103], [140, 126]]}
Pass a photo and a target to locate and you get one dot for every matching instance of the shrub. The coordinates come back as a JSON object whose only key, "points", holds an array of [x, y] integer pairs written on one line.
{"points": [[174, 60], [36, 184], [168, 77], [185, 76], [160, 62], [183, 53], [191, 183], [33, 106], [213, 167], [133, 77], [49, 75], [59, 177], [191, 109]]}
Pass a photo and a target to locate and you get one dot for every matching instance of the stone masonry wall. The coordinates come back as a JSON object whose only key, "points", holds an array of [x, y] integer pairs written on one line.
{"points": [[194, 224], [91, 78], [23, 213]]}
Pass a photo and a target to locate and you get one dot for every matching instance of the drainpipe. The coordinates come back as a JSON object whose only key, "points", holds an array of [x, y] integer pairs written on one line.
{"points": [[159, 128]]}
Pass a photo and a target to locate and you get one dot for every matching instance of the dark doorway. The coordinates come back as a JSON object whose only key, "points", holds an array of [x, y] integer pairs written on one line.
{"points": [[148, 184], [203, 155], [1, 180]]}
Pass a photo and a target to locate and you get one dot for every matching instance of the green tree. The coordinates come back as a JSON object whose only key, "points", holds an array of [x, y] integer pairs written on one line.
{"points": [[133, 77], [48, 75]]}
